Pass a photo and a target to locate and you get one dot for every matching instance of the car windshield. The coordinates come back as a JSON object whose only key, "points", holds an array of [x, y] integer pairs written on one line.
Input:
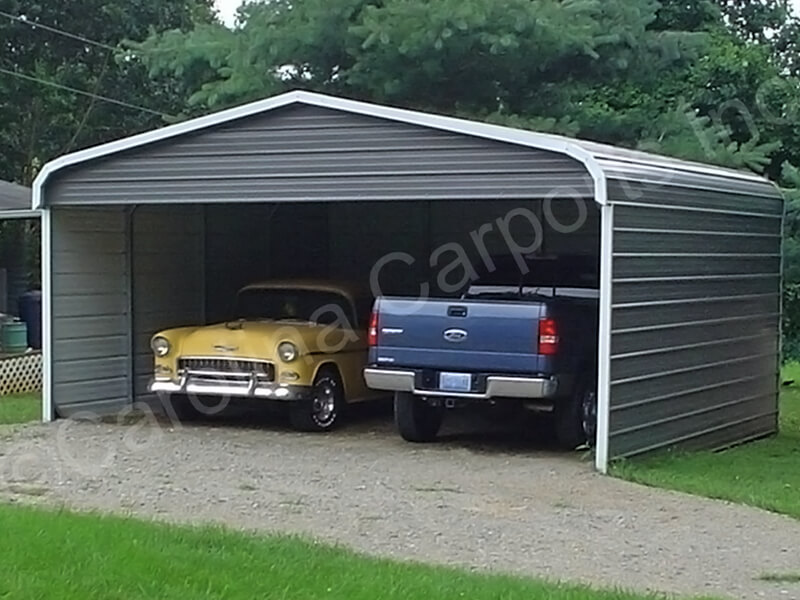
{"points": [[294, 304]]}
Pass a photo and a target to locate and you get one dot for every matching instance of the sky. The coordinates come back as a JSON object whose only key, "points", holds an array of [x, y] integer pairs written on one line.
{"points": [[227, 9]]}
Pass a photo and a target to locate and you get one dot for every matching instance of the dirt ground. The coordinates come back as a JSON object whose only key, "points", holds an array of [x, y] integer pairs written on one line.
{"points": [[496, 500]]}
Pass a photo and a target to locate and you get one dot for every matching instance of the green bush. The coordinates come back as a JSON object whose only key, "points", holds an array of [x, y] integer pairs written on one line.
{"points": [[791, 322]]}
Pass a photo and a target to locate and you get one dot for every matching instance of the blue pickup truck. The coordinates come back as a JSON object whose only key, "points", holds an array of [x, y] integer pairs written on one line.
{"points": [[506, 339]]}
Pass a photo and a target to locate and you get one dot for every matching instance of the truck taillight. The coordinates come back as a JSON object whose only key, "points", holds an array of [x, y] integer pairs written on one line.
{"points": [[548, 337], [372, 332]]}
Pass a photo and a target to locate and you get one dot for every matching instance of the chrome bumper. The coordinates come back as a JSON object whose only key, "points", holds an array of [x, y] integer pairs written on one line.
{"points": [[249, 387], [497, 386]]}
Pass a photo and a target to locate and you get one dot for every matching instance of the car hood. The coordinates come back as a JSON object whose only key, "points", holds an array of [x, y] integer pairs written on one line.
{"points": [[258, 339]]}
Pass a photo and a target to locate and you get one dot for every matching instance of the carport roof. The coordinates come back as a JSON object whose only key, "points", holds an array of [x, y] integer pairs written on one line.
{"points": [[15, 201], [601, 161]]}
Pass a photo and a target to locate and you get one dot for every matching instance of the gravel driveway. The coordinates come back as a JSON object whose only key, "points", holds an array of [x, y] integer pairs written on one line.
{"points": [[495, 501]]}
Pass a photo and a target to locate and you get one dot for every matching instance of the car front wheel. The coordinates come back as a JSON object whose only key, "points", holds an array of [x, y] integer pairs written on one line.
{"points": [[320, 411]]}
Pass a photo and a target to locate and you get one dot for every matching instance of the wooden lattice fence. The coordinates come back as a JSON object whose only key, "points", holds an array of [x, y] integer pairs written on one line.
{"points": [[21, 374]]}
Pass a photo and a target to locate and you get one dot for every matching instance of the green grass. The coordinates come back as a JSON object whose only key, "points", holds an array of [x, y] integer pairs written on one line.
{"points": [[765, 473], [20, 409], [67, 556]]}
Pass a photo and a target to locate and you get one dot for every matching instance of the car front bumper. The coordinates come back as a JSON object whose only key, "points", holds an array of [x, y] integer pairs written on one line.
{"points": [[497, 386], [250, 387]]}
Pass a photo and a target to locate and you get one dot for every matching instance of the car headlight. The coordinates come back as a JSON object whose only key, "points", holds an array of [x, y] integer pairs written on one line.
{"points": [[160, 346], [287, 351]]}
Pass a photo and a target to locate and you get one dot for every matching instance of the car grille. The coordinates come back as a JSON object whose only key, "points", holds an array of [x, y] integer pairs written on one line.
{"points": [[227, 366]]}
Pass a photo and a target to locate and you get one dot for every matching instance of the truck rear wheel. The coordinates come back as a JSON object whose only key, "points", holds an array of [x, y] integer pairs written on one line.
{"points": [[576, 416], [416, 420]]}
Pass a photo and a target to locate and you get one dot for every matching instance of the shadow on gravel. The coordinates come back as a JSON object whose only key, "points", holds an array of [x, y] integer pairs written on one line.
{"points": [[477, 429], [490, 432]]}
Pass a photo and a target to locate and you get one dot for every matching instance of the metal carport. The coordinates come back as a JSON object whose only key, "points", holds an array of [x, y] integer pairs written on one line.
{"points": [[690, 255]]}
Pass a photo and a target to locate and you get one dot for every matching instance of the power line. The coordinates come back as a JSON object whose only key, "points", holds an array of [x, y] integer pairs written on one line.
{"points": [[57, 31], [83, 93], [82, 39]]}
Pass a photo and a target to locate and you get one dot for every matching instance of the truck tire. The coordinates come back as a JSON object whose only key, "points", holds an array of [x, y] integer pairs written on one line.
{"points": [[321, 410], [576, 416], [415, 419]]}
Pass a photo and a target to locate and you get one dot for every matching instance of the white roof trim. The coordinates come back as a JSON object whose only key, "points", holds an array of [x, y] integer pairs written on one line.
{"points": [[20, 214], [591, 155]]}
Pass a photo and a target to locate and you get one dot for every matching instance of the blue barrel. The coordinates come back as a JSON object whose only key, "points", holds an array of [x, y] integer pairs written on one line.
{"points": [[14, 337], [30, 311]]}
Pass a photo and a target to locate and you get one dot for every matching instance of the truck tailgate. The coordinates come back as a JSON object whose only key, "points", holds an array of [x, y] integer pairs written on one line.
{"points": [[468, 335]]}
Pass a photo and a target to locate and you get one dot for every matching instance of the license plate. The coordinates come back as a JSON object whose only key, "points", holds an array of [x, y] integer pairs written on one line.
{"points": [[455, 382]]}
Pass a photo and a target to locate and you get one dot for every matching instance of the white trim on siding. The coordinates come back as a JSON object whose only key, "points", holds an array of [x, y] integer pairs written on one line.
{"points": [[604, 338], [47, 317]]}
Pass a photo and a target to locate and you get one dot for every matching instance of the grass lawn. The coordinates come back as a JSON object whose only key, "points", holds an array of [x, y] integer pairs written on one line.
{"points": [[765, 474], [20, 409], [66, 556]]}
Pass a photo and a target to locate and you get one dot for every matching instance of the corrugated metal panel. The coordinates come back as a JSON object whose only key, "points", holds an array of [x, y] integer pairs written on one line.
{"points": [[305, 153], [695, 317], [168, 278], [299, 240], [640, 181], [236, 252], [90, 311]]}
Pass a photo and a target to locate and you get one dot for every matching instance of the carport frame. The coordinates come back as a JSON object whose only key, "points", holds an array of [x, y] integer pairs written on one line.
{"points": [[589, 155]]}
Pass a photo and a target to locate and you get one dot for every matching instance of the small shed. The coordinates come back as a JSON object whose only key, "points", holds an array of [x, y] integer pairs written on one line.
{"points": [[15, 204], [15, 201], [159, 230]]}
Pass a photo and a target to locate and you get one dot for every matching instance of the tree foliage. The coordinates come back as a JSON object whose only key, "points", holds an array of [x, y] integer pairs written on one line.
{"points": [[39, 121]]}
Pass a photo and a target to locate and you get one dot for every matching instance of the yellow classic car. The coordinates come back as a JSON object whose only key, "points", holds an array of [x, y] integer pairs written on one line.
{"points": [[299, 343]]}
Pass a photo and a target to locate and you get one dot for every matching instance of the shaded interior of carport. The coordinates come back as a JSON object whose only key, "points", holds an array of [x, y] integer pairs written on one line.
{"points": [[160, 230]]}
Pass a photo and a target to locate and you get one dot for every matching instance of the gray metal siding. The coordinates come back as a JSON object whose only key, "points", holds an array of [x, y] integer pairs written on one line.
{"points": [[695, 317], [304, 153], [14, 196], [90, 311], [360, 234], [168, 278]]}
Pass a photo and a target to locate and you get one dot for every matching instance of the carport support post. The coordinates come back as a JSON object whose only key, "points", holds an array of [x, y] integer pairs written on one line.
{"points": [[604, 337], [47, 315]]}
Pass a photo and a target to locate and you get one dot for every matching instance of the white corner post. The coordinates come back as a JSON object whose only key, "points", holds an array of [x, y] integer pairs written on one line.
{"points": [[604, 337], [48, 414]]}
